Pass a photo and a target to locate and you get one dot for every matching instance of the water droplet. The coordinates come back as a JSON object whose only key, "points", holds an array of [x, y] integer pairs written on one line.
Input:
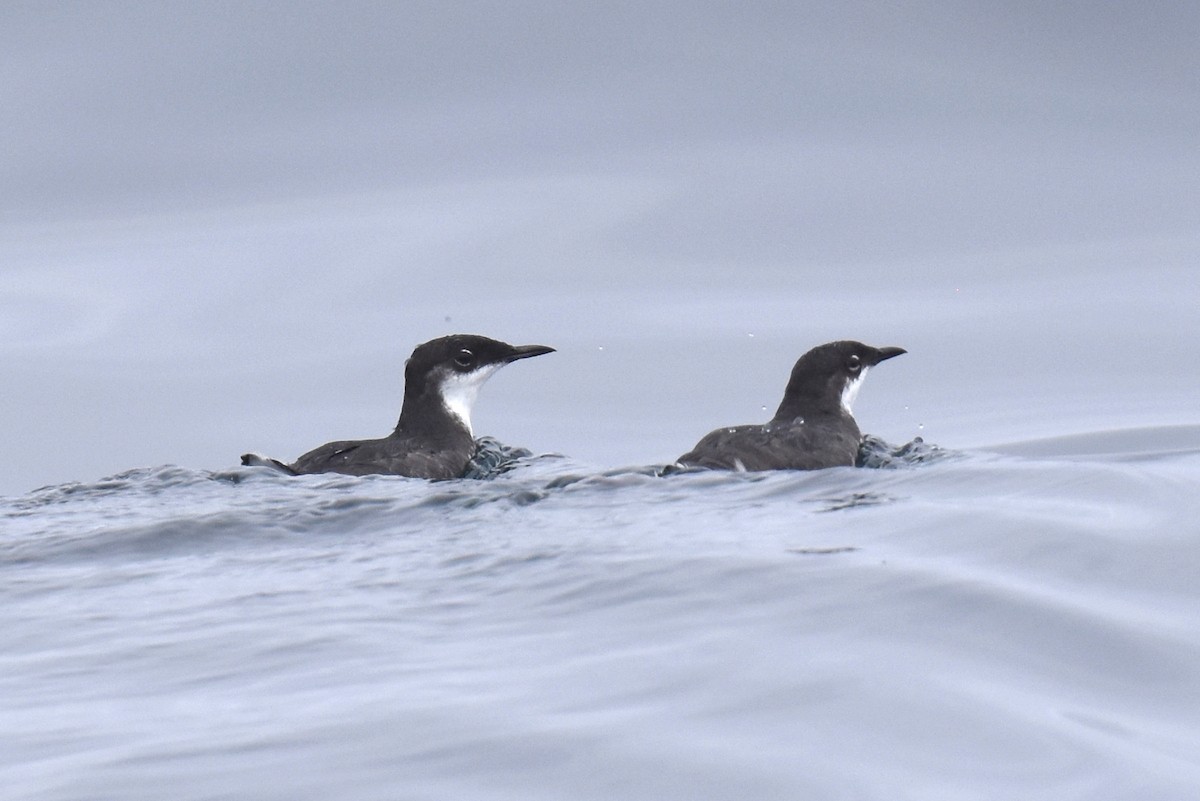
{"points": [[920, 426], [764, 408], [600, 348], [750, 335], [799, 421]]}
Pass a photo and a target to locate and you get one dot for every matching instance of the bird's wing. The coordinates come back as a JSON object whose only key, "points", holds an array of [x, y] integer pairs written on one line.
{"points": [[717, 448], [773, 447], [388, 456]]}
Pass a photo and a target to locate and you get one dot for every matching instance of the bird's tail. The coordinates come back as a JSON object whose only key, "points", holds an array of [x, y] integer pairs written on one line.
{"points": [[254, 460]]}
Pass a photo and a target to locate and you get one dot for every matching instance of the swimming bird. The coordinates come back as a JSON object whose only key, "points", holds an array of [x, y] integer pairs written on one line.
{"points": [[433, 438], [813, 427]]}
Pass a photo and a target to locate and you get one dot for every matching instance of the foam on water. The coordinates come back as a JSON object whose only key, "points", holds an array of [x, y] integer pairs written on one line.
{"points": [[963, 625]]}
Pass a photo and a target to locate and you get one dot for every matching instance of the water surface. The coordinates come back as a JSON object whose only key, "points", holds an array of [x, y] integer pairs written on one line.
{"points": [[946, 625]]}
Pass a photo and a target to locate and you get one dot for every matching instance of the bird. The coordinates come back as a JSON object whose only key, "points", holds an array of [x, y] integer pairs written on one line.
{"points": [[813, 428], [433, 438]]}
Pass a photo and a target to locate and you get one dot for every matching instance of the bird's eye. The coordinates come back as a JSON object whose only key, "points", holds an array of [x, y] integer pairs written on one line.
{"points": [[464, 358], [854, 363]]}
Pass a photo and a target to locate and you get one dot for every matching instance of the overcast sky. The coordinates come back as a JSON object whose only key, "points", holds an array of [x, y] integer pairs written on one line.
{"points": [[223, 226]]}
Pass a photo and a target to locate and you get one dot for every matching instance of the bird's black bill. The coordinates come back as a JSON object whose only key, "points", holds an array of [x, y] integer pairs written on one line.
{"points": [[887, 353], [525, 351]]}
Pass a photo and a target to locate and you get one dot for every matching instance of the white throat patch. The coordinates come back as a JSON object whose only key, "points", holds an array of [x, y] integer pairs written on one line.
{"points": [[459, 391], [850, 391]]}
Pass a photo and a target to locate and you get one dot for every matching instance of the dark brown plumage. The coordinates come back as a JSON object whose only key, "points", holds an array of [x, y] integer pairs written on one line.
{"points": [[813, 427]]}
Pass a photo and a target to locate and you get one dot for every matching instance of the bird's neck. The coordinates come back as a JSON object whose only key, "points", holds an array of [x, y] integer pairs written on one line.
{"points": [[811, 403], [432, 414]]}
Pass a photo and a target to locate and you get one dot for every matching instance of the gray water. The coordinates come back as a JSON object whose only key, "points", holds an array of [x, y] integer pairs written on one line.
{"points": [[223, 228], [943, 625]]}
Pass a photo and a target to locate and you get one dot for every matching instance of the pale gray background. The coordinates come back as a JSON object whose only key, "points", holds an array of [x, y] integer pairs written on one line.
{"points": [[223, 226]]}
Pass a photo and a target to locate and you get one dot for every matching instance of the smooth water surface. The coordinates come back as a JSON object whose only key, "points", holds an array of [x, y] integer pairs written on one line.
{"points": [[949, 625], [224, 227]]}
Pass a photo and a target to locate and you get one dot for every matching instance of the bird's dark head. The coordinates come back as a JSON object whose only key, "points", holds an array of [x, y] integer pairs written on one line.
{"points": [[449, 371], [828, 377]]}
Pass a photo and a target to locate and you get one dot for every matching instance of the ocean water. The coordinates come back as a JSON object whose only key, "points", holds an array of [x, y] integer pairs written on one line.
{"points": [[225, 232], [1019, 622]]}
